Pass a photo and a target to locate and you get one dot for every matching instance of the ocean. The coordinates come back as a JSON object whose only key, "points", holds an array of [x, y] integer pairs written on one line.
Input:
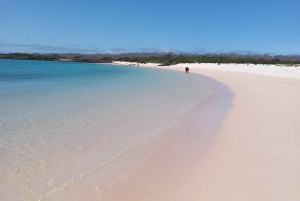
{"points": [[61, 120]]}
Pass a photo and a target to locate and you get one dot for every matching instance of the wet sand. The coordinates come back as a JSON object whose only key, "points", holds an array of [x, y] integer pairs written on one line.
{"points": [[180, 146]]}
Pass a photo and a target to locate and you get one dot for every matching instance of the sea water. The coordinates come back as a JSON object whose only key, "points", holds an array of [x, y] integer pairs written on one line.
{"points": [[60, 120]]}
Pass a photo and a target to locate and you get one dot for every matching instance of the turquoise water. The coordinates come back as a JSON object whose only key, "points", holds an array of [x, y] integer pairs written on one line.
{"points": [[58, 121]]}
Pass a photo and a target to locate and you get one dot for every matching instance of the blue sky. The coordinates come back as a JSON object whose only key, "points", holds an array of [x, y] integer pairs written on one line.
{"points": [[116, 26]]}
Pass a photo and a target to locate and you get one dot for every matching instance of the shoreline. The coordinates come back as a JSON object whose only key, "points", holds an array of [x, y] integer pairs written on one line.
{"points": [[256, 155], [253, 156], [259, 69], [121, 168]]}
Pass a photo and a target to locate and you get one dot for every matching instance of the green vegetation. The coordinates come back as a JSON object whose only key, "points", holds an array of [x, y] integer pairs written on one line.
{"points": [[169, 59], [92, 58], [35, 56], [162, 58]]}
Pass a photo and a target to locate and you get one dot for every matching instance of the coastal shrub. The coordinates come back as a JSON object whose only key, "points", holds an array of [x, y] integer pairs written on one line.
{"points": [[162, 58]]}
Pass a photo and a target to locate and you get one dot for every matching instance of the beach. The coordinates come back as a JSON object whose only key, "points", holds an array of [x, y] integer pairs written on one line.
{"points": [[255, 154], [249, 152], [150, 100], [221, 132]]}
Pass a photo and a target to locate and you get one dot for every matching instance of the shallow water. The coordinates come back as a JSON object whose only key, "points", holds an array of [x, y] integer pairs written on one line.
{"points": [[59, 121]]}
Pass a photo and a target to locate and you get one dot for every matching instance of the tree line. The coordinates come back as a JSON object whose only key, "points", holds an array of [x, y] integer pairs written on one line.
{"points": [[162, 58]]}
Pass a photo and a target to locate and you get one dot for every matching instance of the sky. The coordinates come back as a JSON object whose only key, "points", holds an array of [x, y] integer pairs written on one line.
{"points": [[120, 26]]}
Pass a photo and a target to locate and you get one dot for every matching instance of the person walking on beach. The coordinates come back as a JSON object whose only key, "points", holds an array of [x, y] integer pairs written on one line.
{"points": [[187, 70]]}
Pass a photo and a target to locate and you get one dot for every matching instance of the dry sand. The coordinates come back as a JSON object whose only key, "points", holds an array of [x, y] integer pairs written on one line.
{"points": [[260, 69], [256, 154]]}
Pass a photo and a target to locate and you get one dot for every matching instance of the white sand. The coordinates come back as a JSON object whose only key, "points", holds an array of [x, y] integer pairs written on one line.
{"points": [[271, 70], [256, 155]]}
